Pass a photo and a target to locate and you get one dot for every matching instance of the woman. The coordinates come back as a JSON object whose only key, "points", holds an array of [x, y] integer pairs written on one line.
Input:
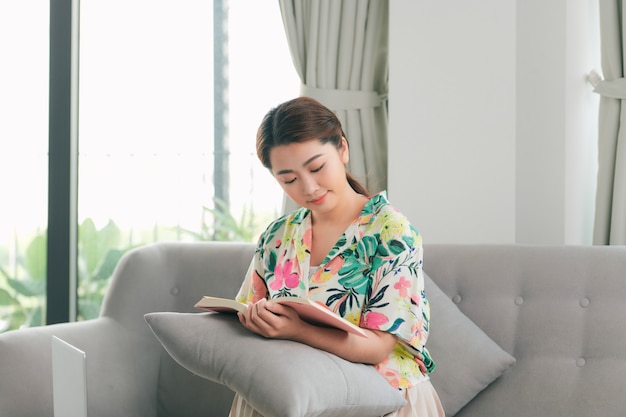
{"points": [[353, 252]]}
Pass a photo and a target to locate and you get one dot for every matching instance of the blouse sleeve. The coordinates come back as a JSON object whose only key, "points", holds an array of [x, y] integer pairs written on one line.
{"points": [[397, 303], [253, 287]]}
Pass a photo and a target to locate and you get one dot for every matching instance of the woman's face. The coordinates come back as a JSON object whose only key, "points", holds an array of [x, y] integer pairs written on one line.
{"points": [[312, 174]]}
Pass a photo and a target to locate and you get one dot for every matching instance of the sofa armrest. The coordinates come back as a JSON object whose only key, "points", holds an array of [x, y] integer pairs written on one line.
{"points": [[26, 382], [126, 365]]}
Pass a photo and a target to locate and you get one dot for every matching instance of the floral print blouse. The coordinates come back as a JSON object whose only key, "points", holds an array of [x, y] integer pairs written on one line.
{"points": [[372, 277]]}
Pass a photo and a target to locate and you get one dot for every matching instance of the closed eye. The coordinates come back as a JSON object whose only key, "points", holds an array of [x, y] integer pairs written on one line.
{"points": [[318, 169]]}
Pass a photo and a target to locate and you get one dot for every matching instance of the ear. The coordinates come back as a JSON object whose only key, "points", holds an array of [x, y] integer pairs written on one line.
{"points": [[344, 151]]}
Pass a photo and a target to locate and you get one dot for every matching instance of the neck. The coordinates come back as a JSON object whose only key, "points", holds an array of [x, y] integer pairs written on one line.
{"points": [[346, 211]]}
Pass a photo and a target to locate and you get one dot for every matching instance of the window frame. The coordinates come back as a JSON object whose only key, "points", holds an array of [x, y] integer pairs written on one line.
{"points": [[62, 229], [61, 247]]}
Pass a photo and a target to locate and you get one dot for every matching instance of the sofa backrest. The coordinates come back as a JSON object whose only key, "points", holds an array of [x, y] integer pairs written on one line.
{"points": [[560, 310], [173, 276]]}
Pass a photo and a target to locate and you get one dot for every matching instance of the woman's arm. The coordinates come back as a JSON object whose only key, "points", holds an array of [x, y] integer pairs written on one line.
{"points": [[276, 321]]}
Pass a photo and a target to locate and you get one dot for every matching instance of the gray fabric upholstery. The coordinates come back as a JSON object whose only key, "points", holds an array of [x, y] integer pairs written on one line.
{"points": [[558, 310], [125, 362], [467, 360], [278, 378]]}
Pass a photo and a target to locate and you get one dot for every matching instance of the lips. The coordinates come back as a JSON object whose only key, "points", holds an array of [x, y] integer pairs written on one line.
{"points": [[320, 199]]}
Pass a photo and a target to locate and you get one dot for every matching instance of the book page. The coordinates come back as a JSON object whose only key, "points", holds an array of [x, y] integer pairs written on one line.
{"points": [[220, 305]]}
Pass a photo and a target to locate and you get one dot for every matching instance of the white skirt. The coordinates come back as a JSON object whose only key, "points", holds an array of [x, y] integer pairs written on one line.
{"points": [[421, 401]]}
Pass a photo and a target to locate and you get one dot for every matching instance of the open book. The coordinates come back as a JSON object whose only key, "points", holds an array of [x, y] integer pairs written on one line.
{"points": [[309, 311]]}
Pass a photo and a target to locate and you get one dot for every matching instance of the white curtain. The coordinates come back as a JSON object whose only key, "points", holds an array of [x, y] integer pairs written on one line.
{"points": [[610, 218], [339, 49]]}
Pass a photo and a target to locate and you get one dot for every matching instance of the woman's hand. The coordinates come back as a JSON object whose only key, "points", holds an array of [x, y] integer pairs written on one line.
{"points": [[277, 321], [272, 320]]}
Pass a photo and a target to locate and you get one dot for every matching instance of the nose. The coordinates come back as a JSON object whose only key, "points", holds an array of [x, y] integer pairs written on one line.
{"points": [[309, 185]]}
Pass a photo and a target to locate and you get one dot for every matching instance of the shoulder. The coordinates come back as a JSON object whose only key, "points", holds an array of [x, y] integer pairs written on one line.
{"points": [[279, 226], [390, 222]]}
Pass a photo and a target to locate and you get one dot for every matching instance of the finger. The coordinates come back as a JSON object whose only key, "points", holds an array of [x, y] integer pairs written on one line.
{"points": [[276, 308], [260, 316], [251, 324], [279, 309]]}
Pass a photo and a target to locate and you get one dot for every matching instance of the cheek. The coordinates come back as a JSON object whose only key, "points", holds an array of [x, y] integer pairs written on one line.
{"points": [[284, 186], [290, 189]]}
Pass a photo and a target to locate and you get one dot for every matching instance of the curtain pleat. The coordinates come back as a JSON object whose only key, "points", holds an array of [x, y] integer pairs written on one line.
{"points": [[339, 49], [610, 216]]}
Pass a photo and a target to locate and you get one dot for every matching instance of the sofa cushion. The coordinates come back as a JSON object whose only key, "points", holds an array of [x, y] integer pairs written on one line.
{"points": [[467, 359], [277, 377]]}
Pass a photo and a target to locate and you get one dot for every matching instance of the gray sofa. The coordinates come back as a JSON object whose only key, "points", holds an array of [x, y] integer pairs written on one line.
{"points": [[560, 311]]}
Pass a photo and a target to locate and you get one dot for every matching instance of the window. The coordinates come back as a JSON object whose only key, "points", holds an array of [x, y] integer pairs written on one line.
{"points": [[24, 42], [148, 123]]}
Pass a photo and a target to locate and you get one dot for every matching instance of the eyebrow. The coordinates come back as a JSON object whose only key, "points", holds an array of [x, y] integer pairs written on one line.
{"points": [[307, 162]]}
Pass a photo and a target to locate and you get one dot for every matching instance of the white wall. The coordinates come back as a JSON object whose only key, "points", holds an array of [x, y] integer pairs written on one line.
{"points": [[491, 123]]}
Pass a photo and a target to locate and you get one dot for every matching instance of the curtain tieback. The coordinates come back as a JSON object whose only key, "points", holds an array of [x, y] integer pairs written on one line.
{"points": [[615, 88], [344, 99]]}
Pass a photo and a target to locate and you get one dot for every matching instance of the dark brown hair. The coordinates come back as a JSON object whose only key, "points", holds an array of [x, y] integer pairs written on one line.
{"points": [[299, 120]]}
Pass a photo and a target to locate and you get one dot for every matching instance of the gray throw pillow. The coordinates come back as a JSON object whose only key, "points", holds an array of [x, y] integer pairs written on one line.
{"points": [[276, 377], [467, 359]]}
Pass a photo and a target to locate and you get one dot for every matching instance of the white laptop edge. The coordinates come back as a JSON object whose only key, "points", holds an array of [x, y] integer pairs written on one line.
{"points": [[69, 379]]}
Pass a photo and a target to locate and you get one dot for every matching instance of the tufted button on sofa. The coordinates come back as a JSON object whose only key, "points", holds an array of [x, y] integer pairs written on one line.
{"points": [[559, 310]]}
